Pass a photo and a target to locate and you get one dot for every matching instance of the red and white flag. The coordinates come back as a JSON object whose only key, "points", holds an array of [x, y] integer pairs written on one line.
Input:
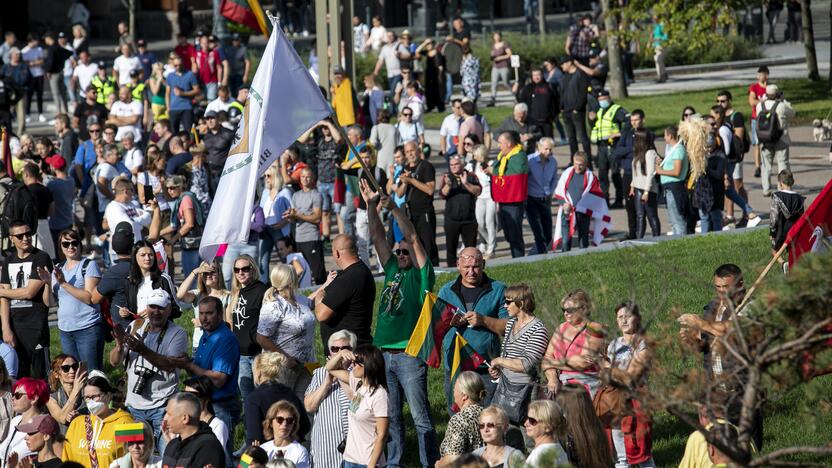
{"points": [[813, 231], [593, 203]]}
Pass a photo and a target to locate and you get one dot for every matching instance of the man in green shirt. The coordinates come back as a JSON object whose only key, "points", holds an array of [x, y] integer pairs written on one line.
{"points": [[408, 273]]}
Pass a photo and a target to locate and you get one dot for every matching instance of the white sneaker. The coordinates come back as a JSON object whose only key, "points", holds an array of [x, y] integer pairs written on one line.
{"points": [[754, 221], [41, 118], [305, 33], [28, 119]]}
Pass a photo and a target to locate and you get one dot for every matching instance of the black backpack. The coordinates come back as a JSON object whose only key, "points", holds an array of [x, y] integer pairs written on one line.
{"points": [[769, 127], [737, 147], [17, 203]]}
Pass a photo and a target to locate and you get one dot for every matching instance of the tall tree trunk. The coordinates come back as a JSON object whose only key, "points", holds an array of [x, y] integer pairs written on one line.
{"points": [[131, 18], [618, 87], [541, 19], [809, 39]]}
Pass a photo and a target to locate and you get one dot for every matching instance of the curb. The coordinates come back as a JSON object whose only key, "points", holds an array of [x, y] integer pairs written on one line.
{"points": [[720, 66]]}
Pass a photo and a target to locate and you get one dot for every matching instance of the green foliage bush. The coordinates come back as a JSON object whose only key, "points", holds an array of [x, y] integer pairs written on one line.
{"points": [[721, 49]]}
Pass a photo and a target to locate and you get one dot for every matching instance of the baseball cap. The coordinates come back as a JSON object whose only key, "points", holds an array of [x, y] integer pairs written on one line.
{"points": [[141, 43], [61, 35], [406, 32], [338, 71], [123, 238], [603, 93], [56, 161], [236, 37], [42, 423], [210, 114], [159, 298], [135, 73]]}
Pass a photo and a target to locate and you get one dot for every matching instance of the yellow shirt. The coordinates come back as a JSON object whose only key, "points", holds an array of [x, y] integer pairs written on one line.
{"points": [[103, 436], [696, 452], [342, 102]]}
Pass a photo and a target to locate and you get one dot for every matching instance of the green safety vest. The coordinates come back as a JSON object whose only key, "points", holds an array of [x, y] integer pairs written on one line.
{"points": [[237, 105], [604, 126], [104, 89], [138, 92]]}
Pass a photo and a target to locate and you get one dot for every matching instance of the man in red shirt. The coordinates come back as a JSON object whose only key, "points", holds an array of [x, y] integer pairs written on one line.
{"points": [[185, 49], [756, 93], [207, 67]]}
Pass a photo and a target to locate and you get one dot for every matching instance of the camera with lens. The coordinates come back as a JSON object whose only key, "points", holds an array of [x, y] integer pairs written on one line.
{"points": [[143, 375]]}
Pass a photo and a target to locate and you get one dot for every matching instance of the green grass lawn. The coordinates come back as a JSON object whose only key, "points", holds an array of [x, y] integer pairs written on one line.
{"points": [[665, 279], [811, 100]]}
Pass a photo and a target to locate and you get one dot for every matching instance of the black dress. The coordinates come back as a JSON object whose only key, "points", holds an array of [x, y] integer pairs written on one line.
{"points": [[434, 82]]}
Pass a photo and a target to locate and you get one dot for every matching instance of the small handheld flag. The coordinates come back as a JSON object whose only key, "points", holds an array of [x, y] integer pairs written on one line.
{"points": [[133, 432], [464, 358], [245, 461], [434, 322]]}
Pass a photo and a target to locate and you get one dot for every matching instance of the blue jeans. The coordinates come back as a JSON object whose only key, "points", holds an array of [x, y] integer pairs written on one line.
{"points": [[411, 375], [268, 241], [190, 261], [246, 377], [449, 88], [490, 387], [353, 465], [539, 216], [235, 250], [211, 91], [676, 217], [711, 221], [732, 193], [228, 411], [86, 345], [154, 418]]}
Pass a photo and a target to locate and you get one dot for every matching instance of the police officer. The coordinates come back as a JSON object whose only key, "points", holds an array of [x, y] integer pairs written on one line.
{"points": [[104, 84], [606, 131], [139, 91]]}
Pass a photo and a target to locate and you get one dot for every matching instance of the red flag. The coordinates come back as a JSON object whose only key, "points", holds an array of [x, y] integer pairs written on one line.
{"points": [[809, 232]]}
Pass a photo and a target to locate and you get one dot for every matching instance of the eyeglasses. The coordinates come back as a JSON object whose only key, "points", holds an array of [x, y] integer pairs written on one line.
{"points": [[488, 425], [23, 235], [399, 252], [280, 420], [95, 130], [19, 395], [70, 367], [245, 269], [335, 349], [68, 244], [172, 187], [96, 397], [532, 421], [570, 310], [467, 143], [135, 442]]}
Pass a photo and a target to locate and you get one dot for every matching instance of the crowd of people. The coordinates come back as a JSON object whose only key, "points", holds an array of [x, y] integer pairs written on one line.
{"points": [[102, 223]]}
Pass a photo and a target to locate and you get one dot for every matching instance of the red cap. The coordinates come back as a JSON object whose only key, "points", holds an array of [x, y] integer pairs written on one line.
{"points": [[56, 161], [42, 423]]}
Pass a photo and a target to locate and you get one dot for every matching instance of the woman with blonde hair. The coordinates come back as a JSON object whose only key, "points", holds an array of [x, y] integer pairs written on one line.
{"points": [[287, 326], [493, 427], [280, 426], [242, 315], [209, 282], [140, 453], [546, 425], [274, 200], [156, 81], [463, 435], [575, 347], [269, 371], [486, 207]]}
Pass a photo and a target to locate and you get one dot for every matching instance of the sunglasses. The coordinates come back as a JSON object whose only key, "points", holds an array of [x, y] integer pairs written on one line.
{"points": [[688, 114], [68, 244], [467, 143], [23, 235], [407, 115], [19, 395], [510, 301], [95, 130], [245, 269], [335, 349], [210, 273], [532, 421], [398, 252], [173, 187], [570, 310], [281, 420], [70, 367], [488, 425]]}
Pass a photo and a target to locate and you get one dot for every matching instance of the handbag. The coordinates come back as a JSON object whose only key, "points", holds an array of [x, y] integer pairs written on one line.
{"points": [[609, 404], [513, 397]]}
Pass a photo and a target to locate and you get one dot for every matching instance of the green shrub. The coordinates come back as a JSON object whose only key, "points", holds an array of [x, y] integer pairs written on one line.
{"points": [[721, 49]]}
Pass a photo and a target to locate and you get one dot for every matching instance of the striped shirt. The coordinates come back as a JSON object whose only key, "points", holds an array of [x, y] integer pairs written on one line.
{"points": [[528, 344], [330, 422]]}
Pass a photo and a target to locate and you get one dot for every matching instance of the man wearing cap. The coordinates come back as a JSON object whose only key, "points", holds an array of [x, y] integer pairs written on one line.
{"points": [[146, 58], [606, 131], [124, 64], [239, 65], [126, 114], [40, 435], [112, 281], [342, 98], [146, 348]]}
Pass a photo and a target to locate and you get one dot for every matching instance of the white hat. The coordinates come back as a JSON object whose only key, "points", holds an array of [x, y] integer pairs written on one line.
{"points": [[159, 298]]}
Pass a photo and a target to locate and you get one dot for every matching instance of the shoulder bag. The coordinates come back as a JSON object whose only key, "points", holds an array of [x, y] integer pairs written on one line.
{"points": [[513, 398]]}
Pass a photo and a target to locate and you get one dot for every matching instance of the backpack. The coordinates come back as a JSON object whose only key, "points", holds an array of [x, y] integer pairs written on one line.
{"points": [[737, 147], [769, 127], [17, 203]]}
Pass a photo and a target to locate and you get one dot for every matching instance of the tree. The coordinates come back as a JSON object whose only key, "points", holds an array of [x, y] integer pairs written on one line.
{"points": [[809, 39], [618, 86]]}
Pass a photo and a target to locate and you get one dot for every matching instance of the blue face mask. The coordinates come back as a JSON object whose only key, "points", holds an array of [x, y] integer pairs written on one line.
{"points": [[605, 104]]}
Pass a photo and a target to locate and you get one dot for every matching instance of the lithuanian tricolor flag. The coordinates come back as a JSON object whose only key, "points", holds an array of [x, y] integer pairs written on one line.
{"points": [[246, 12], [245, 461], [464, 358], [133, 432], [434, 322]]}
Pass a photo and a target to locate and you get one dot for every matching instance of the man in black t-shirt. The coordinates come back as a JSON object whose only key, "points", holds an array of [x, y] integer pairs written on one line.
{"points": [[23, 314], [86, 109], [573, 98], [417, 183], [345, 301], [112, 281], [460, 190]]}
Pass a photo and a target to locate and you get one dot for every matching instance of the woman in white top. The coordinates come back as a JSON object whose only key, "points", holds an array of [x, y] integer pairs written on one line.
{"points": [[486, 208], [287, 326], [140, 453], [644, 189], [29, 397], [378, 34], [275, 200], [493, 426], [281, 426], [545, 422], [209, 282]]}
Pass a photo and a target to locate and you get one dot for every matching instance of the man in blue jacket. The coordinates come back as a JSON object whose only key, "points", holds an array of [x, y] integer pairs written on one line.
{"points": [[484, 317]]}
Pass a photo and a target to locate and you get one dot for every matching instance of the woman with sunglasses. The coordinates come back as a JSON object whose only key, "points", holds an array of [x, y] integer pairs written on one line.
{"points": [[688, 112], [493, 426], [367, 416], [72, 284], [209, 282], [243, 314], [575, 347], [546, 425], [326, 400], [275, 200], [269, 371], [281, 428], [462, 435], [469, 142], [186, 222], [144, 277], [67, 384], [287, 326], [29, 397], [140, 453]]}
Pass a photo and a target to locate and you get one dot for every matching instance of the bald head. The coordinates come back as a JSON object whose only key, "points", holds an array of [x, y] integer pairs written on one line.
{"points": [[471, 266], [344, 250], [411, 152]]}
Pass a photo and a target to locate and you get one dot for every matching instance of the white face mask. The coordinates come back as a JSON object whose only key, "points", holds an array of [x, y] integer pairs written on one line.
{"points": [[95, 407]]}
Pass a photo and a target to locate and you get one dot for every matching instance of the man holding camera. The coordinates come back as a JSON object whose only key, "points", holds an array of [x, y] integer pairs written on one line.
{"points": [[146, 348]]}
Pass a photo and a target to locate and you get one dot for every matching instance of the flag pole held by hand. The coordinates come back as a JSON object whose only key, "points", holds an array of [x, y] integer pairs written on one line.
{"points": [[367, 170]]}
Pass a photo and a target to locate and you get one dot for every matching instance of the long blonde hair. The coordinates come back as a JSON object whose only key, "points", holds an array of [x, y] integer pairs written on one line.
{"points": [[235, 283], [277, 181], [200, 281], [693, 132], [283, 278]]}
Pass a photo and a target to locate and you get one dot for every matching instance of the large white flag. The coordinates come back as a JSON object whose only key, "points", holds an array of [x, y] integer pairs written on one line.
{"points": [[283, 103]]}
